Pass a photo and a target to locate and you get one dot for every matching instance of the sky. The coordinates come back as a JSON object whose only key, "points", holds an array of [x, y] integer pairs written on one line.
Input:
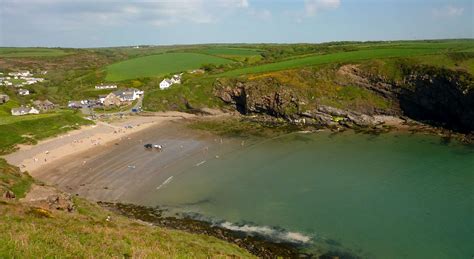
{"points": [[103, 23]]}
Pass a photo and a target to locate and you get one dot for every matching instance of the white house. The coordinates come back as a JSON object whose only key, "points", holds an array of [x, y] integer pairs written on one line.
{"points": [[129, 94], [166, 83], [20, 74], [106, 87], [23, 92], [23, 111]]}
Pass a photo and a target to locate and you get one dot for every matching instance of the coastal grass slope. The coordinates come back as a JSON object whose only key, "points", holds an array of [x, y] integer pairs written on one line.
{"points": [[160, 65], [30, 129], [91, 231]]}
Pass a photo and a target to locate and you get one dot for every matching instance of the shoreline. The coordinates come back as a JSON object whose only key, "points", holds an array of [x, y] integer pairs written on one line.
{"points": [[33, 158], [65, 168]]}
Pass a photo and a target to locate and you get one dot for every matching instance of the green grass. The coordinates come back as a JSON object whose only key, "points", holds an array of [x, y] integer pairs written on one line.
{"points": [[355, 98], [231, 51], [198, 92], [352, 56], [160, 65], [31, 52], [12, 179], [43, 126], [29, 232]]}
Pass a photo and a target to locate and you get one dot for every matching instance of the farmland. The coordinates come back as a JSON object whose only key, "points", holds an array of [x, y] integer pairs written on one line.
{"points": [[350, 56], [159, 65], [31, 52]]}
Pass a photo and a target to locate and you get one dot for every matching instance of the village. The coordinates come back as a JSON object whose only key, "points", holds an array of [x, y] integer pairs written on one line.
{"points": [[116, 98]]}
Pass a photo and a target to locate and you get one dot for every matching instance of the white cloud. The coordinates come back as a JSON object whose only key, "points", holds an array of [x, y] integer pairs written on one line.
{"points": [[115, 12], [312, 7], [448, 11]]}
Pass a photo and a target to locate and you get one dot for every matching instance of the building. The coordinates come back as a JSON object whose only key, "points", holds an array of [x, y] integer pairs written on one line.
{"points": [[102, 98], [23, 92], [24, 111], [112, 100], [100, 87], [4, 98], [75, 104], [20, 74], [129, 94], [166, 83], [45, 105]]}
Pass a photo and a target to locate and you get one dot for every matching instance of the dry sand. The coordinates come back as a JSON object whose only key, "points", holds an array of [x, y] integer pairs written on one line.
{"points": [[33, 158]]}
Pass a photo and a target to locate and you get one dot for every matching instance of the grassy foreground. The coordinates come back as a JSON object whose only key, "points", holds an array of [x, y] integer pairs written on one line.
{"points": [[27, 232]]}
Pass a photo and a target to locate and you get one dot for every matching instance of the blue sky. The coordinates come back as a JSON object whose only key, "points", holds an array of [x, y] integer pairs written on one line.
{"points": [[95, 23]]}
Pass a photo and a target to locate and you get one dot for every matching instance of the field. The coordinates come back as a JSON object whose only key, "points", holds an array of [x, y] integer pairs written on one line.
{"points": [[160, 65], [231, 51], [350, 56], [31, 52]]}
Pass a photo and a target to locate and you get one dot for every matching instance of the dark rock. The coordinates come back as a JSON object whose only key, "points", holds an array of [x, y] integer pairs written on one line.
{"points": [[9, 195]]}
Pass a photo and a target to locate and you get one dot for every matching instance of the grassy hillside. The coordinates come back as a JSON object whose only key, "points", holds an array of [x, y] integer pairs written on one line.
{"points": [[29, 232], [159, 65], [31, 128], [31, 52]]}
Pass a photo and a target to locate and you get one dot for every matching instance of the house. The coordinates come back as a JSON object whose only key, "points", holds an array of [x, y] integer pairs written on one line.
{"points": [[4, 98], [23, 92], [20, 74], [102, 98], [166, 83], [24, 111], [112, 100], [75, 104], [44, 105], [129, 94], [105, 87], [176, 79]]}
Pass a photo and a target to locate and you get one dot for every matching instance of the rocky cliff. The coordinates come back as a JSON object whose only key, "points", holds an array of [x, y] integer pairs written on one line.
{"points": [[436, 96]]}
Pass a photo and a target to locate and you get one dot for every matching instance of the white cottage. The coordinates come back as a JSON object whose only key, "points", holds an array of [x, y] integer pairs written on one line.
{"points": [[166, 83]]}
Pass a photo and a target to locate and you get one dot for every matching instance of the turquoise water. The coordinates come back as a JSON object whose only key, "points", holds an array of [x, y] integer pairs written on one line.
{"points": [[387, 196]]}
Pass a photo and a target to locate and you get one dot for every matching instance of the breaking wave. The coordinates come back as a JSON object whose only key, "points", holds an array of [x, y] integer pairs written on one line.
{"points": [[268, 232]]}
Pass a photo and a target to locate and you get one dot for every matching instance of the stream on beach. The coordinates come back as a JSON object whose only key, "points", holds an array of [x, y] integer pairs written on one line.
{"points": [[395, 195]]}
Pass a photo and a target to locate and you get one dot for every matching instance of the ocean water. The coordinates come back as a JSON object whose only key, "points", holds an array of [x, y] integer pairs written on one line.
{"points": [[389, 196]]}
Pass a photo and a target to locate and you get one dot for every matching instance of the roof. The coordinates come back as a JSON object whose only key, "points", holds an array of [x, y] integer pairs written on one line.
{"points": [[21, 109]]}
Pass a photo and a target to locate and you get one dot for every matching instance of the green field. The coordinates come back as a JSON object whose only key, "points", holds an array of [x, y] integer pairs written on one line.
{"points": [[350, 56], [159, 65], [31, 52], [231, 51]]}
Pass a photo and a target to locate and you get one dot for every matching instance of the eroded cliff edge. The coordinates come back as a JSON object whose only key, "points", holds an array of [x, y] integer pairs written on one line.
{"points": [[357, 96]]}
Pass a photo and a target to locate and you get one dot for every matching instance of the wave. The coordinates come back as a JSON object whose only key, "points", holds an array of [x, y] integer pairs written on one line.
{"points": [[268, 232], [167, 181]]}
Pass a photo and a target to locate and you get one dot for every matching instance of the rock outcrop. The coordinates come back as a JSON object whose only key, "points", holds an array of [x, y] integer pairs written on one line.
{"points": [[48, 198], [437, 96]]}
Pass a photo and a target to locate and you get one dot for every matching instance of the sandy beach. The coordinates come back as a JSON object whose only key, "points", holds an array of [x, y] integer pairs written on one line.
{"points": [[108, 161], [32, 158]]}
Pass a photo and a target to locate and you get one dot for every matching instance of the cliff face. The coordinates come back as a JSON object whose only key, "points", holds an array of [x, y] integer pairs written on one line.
{"points": [[250, 97], [436, 96], [439, 96]]}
